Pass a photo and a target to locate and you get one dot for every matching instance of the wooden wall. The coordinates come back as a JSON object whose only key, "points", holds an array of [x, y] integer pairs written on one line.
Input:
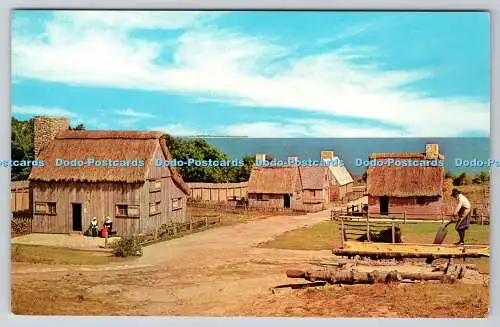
{"points": [[431, 210], [217, 192], [20, 196], [98, 200]]}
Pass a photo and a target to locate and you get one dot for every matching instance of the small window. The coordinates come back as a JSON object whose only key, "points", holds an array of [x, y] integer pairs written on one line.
{"points": [[40, 207], [260, 196], [121, 210], [154, 208], [157, 184], [51, 208], [47, 208], [176, 203]]}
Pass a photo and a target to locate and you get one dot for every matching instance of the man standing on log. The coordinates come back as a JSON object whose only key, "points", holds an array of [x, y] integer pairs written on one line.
{"points": [[462, 210]]}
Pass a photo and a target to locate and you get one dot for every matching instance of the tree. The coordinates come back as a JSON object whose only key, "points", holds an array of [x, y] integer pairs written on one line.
{"points": [[481, 178], [242, 173], [200, 149], [462, 179], [22, 147], [79, 127]]}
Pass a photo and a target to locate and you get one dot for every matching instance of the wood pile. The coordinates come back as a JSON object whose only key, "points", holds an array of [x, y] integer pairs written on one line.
{"points": [[451, 274]]}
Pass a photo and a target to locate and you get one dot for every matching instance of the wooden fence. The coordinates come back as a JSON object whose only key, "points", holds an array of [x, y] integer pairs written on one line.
{"points": [[217, 192], [175, 230], [20, 196]]}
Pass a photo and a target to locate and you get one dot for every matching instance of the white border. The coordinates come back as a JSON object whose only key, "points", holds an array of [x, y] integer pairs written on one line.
{"points": [[7, 319]]}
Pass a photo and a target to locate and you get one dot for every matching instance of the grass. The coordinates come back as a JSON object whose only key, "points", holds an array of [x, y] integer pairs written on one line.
{"points": [[230, 217], [58, 255], [326, 236]]}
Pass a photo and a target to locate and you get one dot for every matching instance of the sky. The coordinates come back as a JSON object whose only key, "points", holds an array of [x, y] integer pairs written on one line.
{"points": [[256, 74]]}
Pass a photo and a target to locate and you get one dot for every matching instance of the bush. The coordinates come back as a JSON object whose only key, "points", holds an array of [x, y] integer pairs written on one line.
{"points": [[128, 246]]}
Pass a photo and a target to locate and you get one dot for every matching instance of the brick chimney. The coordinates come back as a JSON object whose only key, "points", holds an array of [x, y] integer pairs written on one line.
{"points": [[260, 158], [326, 155], [46, 129], [432, 151]]}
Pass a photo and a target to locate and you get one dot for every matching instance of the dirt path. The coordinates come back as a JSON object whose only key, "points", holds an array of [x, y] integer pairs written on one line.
{"points": [[214, 272]]}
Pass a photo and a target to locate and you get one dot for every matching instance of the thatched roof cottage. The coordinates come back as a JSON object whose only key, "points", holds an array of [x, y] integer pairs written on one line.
{"points": [[118, 178], [416, 190]]}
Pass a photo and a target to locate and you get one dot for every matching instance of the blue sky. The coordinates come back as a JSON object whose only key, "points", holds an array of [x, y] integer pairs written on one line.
{"points": [[259, 74]]}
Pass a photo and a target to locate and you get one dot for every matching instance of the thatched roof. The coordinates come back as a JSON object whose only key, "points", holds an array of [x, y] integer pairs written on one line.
{"points": [[313, 178], [398, 181], [402, 155], [102, 145], [275, 180]]}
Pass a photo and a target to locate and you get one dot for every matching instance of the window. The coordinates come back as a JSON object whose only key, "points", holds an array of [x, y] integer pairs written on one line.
{"points": [[51, 208], [124, 210], [46, 208], [154, 208], [260, 197], [176, 203], [121, 210], [155, 186]]}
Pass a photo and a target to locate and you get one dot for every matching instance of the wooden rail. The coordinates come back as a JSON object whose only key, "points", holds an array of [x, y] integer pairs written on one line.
{"points": [[355, 229]]}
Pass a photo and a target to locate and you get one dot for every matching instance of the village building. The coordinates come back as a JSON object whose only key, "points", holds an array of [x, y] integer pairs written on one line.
{"points": [[342, 181], [298, 187], [137, 194], [412, 190], [275, 187]]}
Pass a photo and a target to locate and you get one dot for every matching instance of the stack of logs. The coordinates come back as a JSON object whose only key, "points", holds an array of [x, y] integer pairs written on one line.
{"points": [[450, 273]]}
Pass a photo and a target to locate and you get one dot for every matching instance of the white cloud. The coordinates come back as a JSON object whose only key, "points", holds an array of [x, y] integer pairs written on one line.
{"points": [[42, 111], [177, 130], [231, 67], [129, 112], [305, 128]]}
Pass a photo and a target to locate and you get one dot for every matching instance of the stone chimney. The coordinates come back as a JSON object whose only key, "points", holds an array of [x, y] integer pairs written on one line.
{"points": [[46, 129], [260, 158], [326, 155], [432, 151]]}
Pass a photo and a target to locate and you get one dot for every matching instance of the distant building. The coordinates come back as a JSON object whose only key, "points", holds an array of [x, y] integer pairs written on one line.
{"points": [[342, 181], [306, 188], [137, 198], [415, 190]]}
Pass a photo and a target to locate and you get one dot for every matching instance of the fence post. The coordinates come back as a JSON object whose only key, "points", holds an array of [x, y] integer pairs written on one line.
{"points": [[175, 229], [206, 221], [368, 229], [442, 218], [404, 217], [482, 219], [342, 235], [393, 232], [106, 241]]}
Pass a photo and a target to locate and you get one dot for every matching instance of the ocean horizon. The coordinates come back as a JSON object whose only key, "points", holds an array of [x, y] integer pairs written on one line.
{"points": [[351, 149]]}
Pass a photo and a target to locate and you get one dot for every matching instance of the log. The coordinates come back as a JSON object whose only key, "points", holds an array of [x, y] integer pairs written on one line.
{"points": [[353, 276]]}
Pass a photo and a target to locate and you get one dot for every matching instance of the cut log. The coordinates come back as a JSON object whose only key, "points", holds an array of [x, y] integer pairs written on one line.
{"points": [[353, 276]]}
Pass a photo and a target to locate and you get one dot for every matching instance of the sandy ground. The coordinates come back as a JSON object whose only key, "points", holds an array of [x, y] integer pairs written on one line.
{"points": [[214, 272], [217, 272], [73, 241]]}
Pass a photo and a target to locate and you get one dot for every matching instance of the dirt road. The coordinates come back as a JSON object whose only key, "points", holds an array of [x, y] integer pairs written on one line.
{"points": [[215, 272], [222, 272]]}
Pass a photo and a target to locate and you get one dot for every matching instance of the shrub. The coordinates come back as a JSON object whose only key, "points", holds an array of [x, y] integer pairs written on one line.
{"points": [[128, 246]]}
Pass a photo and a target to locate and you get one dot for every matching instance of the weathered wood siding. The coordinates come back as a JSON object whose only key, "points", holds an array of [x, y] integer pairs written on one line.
{"points": [[97, 199], [425, 208], [167, 192], [217, 192], [20, 196]]}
